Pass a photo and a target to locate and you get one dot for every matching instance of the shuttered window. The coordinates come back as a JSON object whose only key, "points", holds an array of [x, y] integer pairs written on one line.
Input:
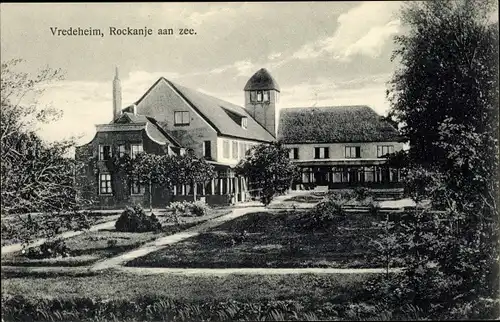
{"points": [[352, 152]]}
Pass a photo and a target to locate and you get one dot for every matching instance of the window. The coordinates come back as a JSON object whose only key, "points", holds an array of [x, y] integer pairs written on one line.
{"points": [[241, 150], [253, 96], [181, 118], [294, 153], [266, 96], [105, 184], [352, 152], [235, 150], [384, 149], [121, 150], [321, 153], [104, 152], [225, 149], [207, 149], [136, 188], [135, 149], [259, 96], [244, 122]]}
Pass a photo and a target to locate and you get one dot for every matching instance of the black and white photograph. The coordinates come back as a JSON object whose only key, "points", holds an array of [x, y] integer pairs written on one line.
{"points": [[250, 161]]}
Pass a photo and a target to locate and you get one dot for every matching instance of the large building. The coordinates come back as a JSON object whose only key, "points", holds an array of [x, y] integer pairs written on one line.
{"points": [[334, 146]]}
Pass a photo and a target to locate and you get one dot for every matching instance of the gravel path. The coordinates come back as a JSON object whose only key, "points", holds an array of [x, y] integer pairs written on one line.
{"points": [[163, 242], [67, 234], [251, 271]]}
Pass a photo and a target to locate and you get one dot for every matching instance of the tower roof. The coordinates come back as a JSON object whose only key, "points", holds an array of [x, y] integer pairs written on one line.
{"points": [[261, 80]]}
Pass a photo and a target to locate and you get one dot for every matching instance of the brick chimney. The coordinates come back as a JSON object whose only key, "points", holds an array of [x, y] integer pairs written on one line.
{"points": [[117, 96]]}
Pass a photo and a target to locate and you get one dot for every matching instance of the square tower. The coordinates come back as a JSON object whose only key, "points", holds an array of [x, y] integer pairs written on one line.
{"points": [[262, 98]]}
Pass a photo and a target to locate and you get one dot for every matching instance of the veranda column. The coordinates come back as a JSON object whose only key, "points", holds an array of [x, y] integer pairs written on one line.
{"points": [[212, 187]]}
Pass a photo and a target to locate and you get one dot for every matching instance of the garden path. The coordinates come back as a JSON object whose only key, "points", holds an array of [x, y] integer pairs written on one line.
{"points": [[163, 242], [67, 234], [251, 271]]}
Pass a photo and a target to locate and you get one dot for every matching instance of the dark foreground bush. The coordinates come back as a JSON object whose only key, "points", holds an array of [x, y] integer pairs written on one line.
{"points": [[49, 249], [326, 215], [135, 220], [19, 308]]}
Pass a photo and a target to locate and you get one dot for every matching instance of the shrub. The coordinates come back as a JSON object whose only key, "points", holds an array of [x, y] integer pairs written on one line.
{"points": [[362, 193], [49, 249], [326, 215], [199, 208], [135, 220]]}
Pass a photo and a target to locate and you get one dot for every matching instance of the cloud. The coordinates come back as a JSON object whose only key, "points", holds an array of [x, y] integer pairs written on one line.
{"points": [[362, 30], [197, 18], [273, 56]]}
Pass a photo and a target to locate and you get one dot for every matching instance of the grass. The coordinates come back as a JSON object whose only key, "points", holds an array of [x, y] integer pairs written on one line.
{"points": [[91, 246], [272, 240], [116, 286], [12, 225], [124, 297]]}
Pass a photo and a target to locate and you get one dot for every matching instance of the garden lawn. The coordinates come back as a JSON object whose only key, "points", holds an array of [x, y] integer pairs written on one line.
{"points": [[12, 225], [125, 297], [91, 246], [272, 240]]}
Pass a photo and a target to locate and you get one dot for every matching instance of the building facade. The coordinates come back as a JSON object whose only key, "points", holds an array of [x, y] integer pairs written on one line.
{"points": [[327, 143], [340, 146]]}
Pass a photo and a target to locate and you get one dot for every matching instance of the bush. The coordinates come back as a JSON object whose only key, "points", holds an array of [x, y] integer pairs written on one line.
{"points": [[199, 208], [326, 215], [185, 208], [49, 249], [135, 220], [362, 193]]}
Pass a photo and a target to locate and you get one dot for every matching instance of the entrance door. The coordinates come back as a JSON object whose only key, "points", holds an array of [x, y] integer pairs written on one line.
{"points": [[321, 177]]}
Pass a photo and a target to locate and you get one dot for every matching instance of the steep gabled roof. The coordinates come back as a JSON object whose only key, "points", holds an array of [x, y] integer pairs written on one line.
{"points": [[334, 124], [213, 110], [261, 80]]}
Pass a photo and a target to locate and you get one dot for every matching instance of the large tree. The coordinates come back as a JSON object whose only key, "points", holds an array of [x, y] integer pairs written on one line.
{"points": [[445, 98], [36, 176], [269, 166]]}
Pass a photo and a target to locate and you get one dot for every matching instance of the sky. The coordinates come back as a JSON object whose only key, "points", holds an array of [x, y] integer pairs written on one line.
{"points": [[320, 53]]}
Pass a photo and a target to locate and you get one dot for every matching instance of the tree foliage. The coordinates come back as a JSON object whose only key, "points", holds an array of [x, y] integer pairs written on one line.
{"points": [[36, 176], [167, 170], [269, 166], [445, 98]]}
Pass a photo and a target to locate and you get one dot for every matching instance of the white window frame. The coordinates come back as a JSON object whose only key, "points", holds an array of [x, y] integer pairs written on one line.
{"points": [[101, 151], [181, 118], [384, 149], [234, 150], [266, 96], [108, 187], [244, 122], [122, 152], [259, 96], [322, 152], [291, 154], [134, 184], [136, 148], [352, 152], [226, 154]]}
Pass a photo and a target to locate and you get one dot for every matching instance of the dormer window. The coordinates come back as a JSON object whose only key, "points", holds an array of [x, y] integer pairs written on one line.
{"points": [[244, 122], [259, 96]]}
